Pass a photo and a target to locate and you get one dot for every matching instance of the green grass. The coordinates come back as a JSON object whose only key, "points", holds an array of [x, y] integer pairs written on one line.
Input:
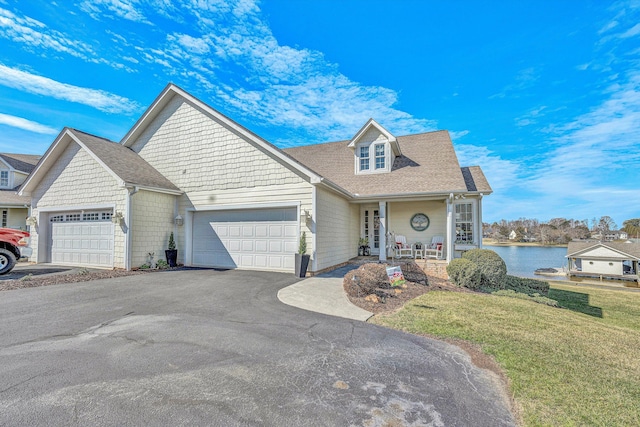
{"points": [[577, 366]]}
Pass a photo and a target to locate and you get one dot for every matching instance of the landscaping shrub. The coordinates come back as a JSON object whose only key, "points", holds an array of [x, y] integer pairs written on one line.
{"points": [[373, 279], [413, 273], [370, 278], [465, 273], [491, 266], [525, 286]]}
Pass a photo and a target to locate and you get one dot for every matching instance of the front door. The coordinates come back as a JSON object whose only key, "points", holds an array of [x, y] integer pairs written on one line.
{"points": [[371, 228]]}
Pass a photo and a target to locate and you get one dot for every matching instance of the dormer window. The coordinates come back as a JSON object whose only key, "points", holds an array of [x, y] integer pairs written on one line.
{"points": [[380, 161], [364, 158], [374, 149], [4, 178]]}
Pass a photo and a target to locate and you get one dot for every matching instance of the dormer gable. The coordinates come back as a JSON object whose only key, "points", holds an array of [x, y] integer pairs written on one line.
{"points": [[374, 149]]}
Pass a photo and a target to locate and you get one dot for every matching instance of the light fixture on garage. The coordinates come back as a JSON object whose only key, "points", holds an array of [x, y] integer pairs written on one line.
{"points": [[32, 221], [305, 216], [117, 218], [178, 220]]}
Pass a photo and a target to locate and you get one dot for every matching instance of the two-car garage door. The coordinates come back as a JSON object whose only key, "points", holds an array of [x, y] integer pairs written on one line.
{"points": [[262, 239]]}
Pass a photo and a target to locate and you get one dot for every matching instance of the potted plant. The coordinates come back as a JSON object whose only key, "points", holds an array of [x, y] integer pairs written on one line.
{"points": [[363, 249], [172, 252], [302, 259]]}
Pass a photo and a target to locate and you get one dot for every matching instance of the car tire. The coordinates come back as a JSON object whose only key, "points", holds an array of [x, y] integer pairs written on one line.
{"points": [[7, 261]]}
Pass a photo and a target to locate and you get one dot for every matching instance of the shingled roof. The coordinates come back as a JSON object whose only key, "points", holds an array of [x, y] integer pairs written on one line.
{"points": [[21, 162], [632, 249], [124, 162], [428, 165]]}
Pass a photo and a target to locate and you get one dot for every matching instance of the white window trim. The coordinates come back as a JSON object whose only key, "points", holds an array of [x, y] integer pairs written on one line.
{"points": [[383, 157], [474, 218], [371, 150], [9, 180], [362, 150]]}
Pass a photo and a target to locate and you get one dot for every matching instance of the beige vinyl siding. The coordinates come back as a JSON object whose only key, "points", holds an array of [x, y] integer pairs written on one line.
{"points": [[216, 167], [77, 180], [18, 178], [152, 218], [16, 217], [400, 214], [337, 227]]}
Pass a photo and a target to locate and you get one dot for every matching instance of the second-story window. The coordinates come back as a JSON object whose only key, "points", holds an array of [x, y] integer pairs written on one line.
{"points": [[364, 158], [4, 178], [380, 162]]}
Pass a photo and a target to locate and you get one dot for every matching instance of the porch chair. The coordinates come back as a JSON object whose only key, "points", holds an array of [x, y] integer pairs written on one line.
{"points": [[402, 249], [435, 248]]}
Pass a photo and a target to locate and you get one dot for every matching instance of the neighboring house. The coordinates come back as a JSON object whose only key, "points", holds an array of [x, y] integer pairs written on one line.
{"points": [[234, 200], [14, 169], [611, 259], [512, 235]]}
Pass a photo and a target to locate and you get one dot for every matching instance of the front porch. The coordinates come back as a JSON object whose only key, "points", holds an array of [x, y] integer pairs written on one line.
{"points": [[454, 220]]}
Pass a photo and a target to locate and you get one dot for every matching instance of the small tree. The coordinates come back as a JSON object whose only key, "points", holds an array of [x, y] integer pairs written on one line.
{"points": [[172, 243], [302, 249]]}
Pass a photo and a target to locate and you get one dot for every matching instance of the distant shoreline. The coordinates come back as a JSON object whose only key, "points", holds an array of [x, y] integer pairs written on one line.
{"points": [[494, 242]]}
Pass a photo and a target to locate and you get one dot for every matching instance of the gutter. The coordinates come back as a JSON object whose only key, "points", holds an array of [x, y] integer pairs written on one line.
{"points": [[148, 188]]}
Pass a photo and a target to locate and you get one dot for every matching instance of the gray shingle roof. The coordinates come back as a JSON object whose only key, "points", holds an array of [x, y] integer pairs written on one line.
{"points": [[632, 249], [21, 162], [11, 198], [124, 162], [428, 165]]}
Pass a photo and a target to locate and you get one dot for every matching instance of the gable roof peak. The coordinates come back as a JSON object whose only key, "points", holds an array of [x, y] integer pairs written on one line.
{"points": [[371, 123]]}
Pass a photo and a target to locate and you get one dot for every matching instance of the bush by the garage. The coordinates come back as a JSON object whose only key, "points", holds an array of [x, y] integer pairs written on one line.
{"points": [[491, 266], [465, 273]]}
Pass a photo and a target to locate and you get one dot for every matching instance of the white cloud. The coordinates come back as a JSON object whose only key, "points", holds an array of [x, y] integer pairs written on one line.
{"points": [[633, 31], [127, 9], [39, 85], [35, 34], [21, 123], [231, 52], [455, 135], [501, 173]]}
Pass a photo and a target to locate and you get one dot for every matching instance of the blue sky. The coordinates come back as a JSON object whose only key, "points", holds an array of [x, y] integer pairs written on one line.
{"points": [[543, 95]]}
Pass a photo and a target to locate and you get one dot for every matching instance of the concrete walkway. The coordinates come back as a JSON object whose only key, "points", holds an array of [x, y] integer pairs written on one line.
{"points": [[324, 294]]}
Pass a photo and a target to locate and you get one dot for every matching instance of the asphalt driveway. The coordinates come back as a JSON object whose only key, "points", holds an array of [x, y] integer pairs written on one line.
{"points": [[206, 347]]}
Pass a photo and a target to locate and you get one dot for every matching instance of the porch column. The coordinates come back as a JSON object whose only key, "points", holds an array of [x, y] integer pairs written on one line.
{"points": [[383, 231], [450, 231], [479, 224]]}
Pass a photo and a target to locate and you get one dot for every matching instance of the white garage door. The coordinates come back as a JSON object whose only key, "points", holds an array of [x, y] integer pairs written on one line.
{"points": [[261, 239], [82, 238]]}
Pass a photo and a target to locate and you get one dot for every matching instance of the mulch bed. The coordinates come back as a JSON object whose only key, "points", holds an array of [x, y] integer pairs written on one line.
{"points": [[372, 280], [57, 279]]}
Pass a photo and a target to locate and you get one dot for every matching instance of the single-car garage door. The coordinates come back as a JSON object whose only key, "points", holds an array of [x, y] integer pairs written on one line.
{"points": [[261, 239], [82, 238]]}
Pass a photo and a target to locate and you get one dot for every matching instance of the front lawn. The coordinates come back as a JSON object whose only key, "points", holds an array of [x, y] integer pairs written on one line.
{"points": [[567, 367]]}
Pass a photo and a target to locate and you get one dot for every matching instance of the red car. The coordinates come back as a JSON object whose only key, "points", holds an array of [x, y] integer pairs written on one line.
{"points": [[14, 244]]}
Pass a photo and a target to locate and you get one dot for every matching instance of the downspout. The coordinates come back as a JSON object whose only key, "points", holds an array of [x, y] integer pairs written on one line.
{"points": [[314, 228], [127, 246], [480, 227]]}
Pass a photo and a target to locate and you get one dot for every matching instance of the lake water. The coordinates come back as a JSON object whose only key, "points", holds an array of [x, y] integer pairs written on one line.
{"points": [[524, 260]]}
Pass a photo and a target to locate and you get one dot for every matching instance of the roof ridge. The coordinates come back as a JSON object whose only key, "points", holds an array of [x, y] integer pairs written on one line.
{"points": [[92, 135]]}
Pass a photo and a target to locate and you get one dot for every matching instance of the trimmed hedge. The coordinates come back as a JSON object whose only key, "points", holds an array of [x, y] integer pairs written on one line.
{"points": [[465, 273], [491, 266], [526, 286]]}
